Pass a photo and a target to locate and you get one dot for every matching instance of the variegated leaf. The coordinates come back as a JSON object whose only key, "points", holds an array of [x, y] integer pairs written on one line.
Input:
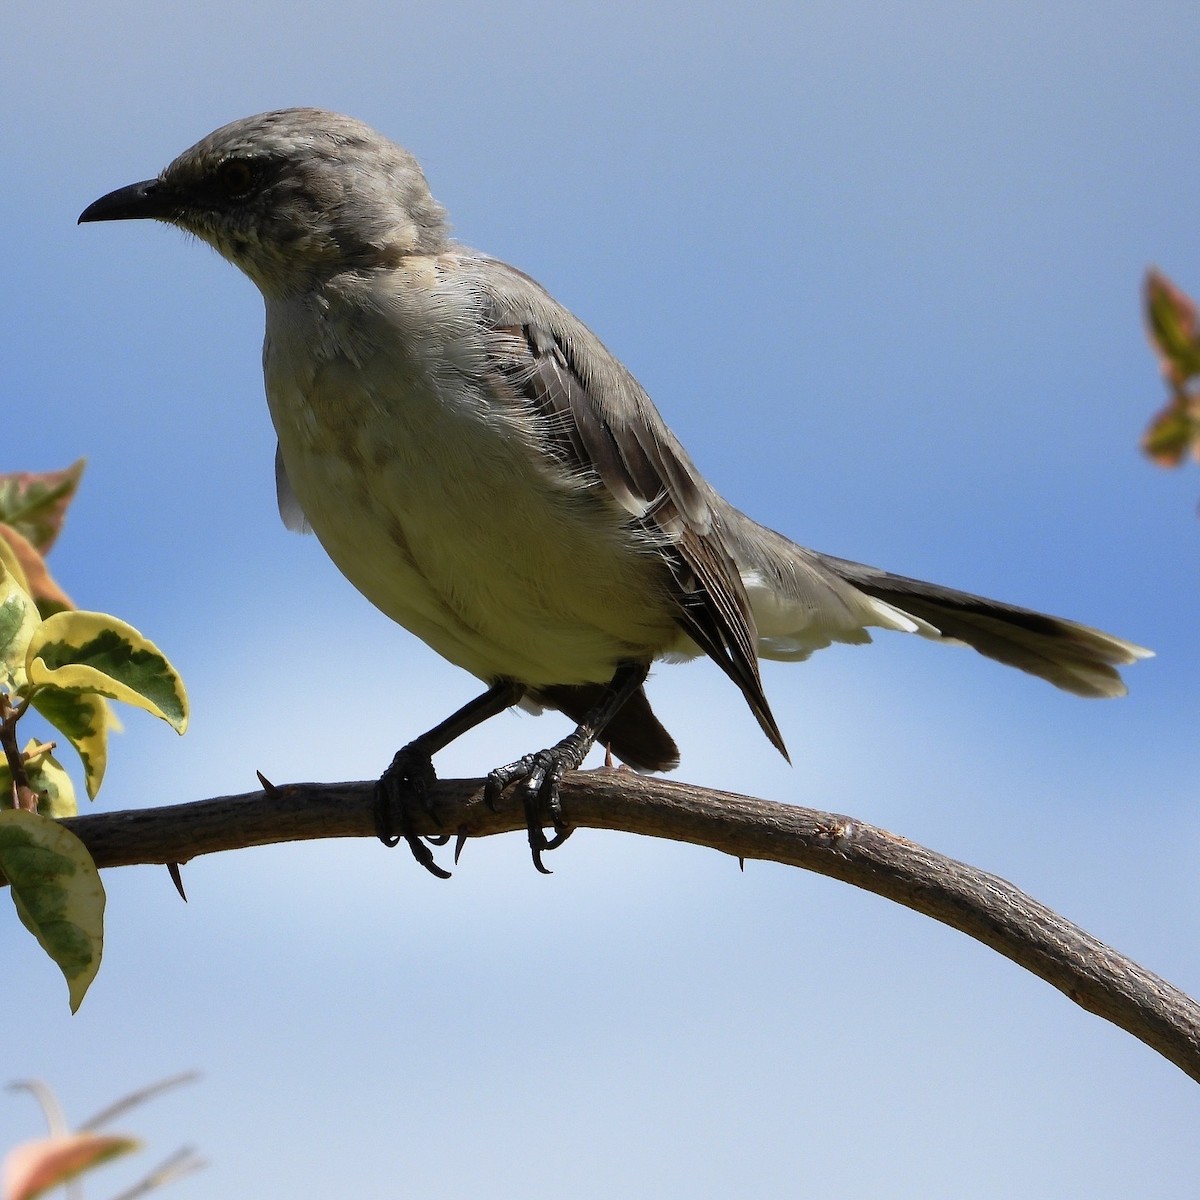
{"points": [[83, 718], [93, 652], [58, 894]]}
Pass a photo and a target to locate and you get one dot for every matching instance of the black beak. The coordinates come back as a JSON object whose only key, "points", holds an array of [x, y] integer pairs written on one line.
{"points": [[138, 200]]}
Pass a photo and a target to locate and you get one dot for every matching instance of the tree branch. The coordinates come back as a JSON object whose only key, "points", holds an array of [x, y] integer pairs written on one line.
{"points": [[980, 905]]}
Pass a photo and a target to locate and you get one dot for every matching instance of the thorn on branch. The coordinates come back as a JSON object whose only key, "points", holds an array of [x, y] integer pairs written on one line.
{"points": [[177, 879]]}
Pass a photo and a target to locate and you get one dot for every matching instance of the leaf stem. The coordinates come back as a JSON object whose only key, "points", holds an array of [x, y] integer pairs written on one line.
{"points": [[23, 795]]}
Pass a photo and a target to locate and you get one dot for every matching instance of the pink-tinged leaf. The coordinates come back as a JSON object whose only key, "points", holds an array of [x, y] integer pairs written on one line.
{"points": [[47, 595], [1174, 328], [33, 1168], [1174, 432], [35, 503]]}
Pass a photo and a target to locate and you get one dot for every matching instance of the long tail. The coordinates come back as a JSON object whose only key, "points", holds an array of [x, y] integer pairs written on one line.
{"points": [[803, 600]]}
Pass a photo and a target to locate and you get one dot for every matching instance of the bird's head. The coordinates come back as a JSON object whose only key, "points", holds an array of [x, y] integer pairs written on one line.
{"points": [[292, 196]]}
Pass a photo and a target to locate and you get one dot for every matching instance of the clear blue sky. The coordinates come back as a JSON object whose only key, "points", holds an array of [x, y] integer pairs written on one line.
{"points": [[879, 266]]}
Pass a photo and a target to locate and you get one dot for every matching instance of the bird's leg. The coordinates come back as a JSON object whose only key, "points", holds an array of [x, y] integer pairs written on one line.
{"points": [[539, 774], [411, 774]]}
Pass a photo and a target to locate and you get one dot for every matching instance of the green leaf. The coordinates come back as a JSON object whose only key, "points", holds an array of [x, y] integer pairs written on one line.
{"points": [[47, 777], [18, 622], [1174, 432], [93, 652], [58, 894], [83, 719], [1172, 319], [36, 503]]}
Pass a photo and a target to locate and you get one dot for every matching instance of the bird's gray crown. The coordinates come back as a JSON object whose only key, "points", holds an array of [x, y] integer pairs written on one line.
{"points": [[294, 194]]}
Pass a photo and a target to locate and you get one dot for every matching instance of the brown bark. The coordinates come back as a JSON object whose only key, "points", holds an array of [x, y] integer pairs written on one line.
{"points": [[983, 906]]}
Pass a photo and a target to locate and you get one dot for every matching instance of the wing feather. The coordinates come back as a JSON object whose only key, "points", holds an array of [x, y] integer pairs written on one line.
{"points": [[598, 421]]}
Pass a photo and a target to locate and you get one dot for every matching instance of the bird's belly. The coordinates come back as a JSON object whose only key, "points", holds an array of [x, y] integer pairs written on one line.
{"points": [[453, 527]]}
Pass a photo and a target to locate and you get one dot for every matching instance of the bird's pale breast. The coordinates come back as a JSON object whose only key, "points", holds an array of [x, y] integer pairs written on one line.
{"points": [[439, 505]]}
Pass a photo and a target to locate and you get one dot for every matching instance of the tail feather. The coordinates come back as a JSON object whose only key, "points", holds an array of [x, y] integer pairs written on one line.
{"points": [[804, 600], [635, 735], [1074, 657]]}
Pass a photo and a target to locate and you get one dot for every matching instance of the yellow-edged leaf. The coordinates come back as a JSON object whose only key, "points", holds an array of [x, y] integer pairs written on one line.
{"points": [[33, 1168], [58, 894], [93, 652], [12, 564], [19, 620], [84, 719], [47, 777]]}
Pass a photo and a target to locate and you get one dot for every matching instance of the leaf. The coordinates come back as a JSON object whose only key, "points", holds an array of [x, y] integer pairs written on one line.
{"points": [[35, 575], [47, 777], [84, 720], [10, 562], [18, 622], [1172, 320], [33, 1168], [1174, 432], [58, 894], [35, 504], [93, 652]]}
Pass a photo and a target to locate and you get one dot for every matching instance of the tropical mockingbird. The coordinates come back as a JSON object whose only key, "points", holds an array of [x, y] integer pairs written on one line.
{"points": [[486, 473]]}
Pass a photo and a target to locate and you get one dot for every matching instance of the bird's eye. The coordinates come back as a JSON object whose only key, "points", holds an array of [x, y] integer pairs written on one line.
{"points": [[236, 177]]}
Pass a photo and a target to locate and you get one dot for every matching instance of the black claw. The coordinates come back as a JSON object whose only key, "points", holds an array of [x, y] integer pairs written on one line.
{"points": [[537, 839], [540, 774], [561, 833], [553, 802], [502, 778], [424, 855], [459, 843], [492, 790], [406, 781], [383, 816]]}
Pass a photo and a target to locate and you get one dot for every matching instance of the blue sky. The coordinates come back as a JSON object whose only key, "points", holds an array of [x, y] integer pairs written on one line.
{"points": [[879, 266]]}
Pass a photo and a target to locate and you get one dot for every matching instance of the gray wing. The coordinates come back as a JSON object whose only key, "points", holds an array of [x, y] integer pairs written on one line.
{"points": [[598, 420], [289, 504]]}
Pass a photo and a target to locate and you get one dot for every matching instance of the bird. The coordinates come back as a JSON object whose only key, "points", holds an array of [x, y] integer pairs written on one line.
{"points": [[487, 473]]}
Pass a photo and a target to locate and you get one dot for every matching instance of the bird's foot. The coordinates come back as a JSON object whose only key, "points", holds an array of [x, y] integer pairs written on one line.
{"points": [[538, 776], [408, 781]]}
